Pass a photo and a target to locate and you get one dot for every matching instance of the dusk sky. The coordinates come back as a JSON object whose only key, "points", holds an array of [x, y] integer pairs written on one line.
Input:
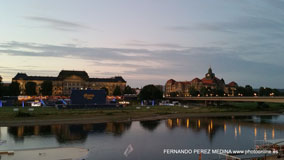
{"points": [[145, 41]]}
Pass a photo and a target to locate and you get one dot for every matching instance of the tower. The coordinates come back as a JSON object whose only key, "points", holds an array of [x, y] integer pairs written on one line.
{"points": [[210, 74]]}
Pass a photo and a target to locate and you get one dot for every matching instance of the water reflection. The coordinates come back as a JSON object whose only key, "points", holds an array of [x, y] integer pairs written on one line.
{"points": [[67, 133], [195, 125], [215, 124], [150, 125], [238, 132]]}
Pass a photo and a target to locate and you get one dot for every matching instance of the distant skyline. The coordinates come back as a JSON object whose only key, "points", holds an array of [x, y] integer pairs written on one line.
{"points": [[145, 41]]}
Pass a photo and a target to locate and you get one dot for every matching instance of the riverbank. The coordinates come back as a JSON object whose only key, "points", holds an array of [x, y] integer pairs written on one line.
{"points": [[50, 115]]}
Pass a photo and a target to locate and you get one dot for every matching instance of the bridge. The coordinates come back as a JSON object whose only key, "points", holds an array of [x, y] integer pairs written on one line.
{"points": [[271, 99]]}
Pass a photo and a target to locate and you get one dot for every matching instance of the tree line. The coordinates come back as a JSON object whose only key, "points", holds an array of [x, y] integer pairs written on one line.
{"points": [[13, 89], [239, 91], [148, 92]]}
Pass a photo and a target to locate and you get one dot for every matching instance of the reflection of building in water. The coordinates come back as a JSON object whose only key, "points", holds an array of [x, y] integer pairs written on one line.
{"points": [[195, 124], [70, 133], [255, 131], [117, 128], [21, 131], [62, 132], [150, 125], [273, 133], [65, 133], [187, 123]]}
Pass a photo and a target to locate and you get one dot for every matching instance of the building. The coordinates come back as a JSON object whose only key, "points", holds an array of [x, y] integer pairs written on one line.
{"points": [[210, 81], [68, 80]]}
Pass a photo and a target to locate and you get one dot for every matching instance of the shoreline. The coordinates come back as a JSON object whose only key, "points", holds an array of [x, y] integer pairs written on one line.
{"points": [[119, 118]]}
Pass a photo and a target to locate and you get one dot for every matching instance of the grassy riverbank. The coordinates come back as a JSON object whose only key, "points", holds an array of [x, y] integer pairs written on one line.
{"points": [[52, 115]]}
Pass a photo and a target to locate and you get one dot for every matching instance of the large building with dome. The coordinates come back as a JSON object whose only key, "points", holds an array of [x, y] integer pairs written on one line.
{"points": [[209, 82]]}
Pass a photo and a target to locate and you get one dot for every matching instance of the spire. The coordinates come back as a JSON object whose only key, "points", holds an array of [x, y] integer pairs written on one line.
{"points": [[210, 70], [210, 74]]}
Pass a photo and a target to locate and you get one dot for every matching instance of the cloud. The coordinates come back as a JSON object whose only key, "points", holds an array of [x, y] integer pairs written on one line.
{"points": [[58, 24], [137, 43], [142, 66], [243, 24]]}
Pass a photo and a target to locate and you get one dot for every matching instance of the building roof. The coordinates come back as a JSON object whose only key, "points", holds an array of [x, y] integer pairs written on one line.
{"points": [[171, 81], [24, 76], [20, 76], [196, 80], [66, 73], [232, 84], [113, 79], [215, 80]]}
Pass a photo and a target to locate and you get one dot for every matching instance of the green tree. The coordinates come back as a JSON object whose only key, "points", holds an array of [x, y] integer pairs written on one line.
{"points": [[204, 91], [261, 91], [30, 88], [276, 92], [117, 91], [192, 91], [4, 90], [267, 91], [1, 89], [241, 91], [46, 88], [173, 94], [150, 92], [220, 92], [14, 89], [128, 90], [248, 91]]}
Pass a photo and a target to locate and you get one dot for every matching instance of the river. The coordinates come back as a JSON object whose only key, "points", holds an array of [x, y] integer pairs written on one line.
{"points": [[149, 139]]}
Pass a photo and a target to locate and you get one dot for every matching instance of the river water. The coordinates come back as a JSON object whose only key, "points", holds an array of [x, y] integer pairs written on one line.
{"points": [[149, 139]]}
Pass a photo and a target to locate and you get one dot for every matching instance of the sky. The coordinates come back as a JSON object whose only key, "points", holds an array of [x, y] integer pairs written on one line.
{"points": [[145, 41]]}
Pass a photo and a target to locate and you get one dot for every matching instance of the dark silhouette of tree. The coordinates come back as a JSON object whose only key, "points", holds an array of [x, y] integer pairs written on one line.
{"points": [[30, 88], [150, 125], [248, 91], [241, 90], [192, 91], [1, 89], [173, 94], [117, 91], [261, 91], [276, 92], [46, 88], [128, 90], [14, 89], [204, 91], [220, 92], [150, 92], [268, 91]]}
